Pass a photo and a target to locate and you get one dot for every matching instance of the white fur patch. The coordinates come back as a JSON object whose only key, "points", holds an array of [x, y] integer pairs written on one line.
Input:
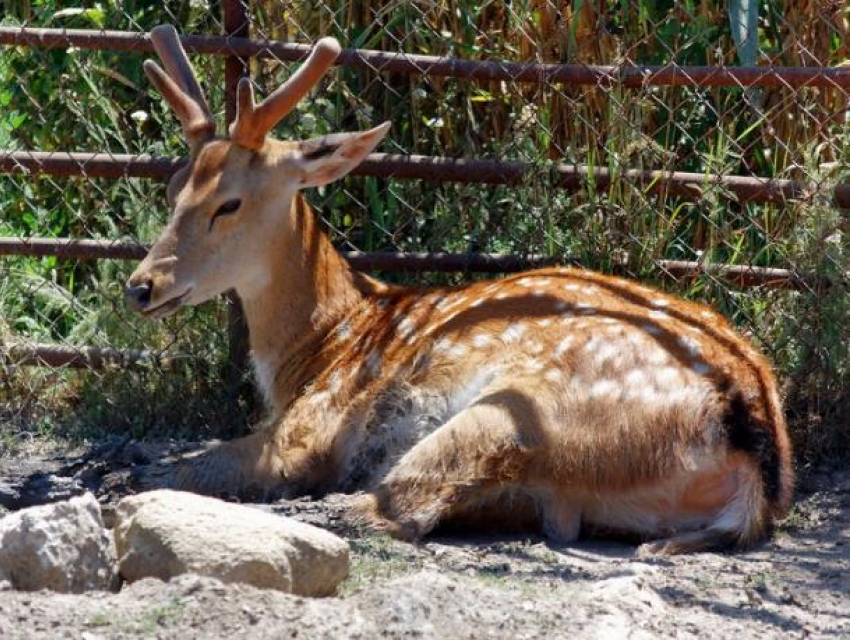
{"points": [[604, 388], [658, 315], [660, 302], [583, 307], [553, 375], [481, 340], [457, 351], [335, 382], [406, 327], [535, 348], [343, 330], [570, 286], [564, 345], [545, 322], [513, 333], [689, 344]]}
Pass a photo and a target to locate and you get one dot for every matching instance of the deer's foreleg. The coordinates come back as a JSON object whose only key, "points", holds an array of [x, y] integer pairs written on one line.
{"points": [[460, 466], [246, 468]]}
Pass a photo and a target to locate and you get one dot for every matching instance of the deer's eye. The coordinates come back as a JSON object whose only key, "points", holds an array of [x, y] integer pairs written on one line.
{"points": [[227, 208]]}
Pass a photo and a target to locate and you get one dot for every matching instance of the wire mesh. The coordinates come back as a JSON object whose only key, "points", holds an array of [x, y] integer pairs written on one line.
{"points": [[674, 88]]}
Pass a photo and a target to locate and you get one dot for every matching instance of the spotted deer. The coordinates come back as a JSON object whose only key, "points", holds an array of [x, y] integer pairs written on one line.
{"points": [[557, 400]]}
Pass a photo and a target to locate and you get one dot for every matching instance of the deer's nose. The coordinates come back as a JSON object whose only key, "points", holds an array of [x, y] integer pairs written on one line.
{"points": [[138, 296]]}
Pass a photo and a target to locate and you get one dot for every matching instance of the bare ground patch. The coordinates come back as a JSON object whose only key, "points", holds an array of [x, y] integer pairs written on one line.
{"points": [[796, 585]]}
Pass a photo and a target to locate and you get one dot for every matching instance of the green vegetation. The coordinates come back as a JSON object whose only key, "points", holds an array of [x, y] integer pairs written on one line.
{"points": [[100, 101]]}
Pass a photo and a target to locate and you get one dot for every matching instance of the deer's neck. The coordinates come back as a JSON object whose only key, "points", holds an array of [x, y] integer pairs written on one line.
{"points": [[309, 289]]}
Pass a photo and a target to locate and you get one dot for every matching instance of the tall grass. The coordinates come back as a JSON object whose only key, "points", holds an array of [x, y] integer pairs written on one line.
{"points": [[83, 100]]}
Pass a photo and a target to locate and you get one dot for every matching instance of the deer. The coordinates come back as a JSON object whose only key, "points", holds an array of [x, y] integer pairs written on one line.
{"points": [[558, 401]]}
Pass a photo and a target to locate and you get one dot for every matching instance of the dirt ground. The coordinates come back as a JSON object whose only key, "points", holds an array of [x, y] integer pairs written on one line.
{"points": [[796, 585]]}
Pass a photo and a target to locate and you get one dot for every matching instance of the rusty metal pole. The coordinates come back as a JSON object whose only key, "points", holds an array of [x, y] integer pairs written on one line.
{"points": [[236, 24]]}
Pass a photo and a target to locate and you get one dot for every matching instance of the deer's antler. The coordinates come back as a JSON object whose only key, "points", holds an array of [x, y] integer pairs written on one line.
{"points": [[179, 86], [254, 121]]}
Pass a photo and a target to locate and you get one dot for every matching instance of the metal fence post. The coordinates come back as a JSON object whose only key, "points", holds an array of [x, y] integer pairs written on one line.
{"points": [[236, 24]]}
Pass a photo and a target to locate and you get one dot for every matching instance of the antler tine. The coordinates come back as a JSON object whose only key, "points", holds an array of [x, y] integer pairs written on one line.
{"points": [[179, 86], [253, 122]]}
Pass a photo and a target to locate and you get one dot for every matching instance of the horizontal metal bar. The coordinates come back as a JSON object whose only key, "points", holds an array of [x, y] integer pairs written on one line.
{"points": [[380, 261], [742, 275], [383, 165], [53, 355], [484, 70]]}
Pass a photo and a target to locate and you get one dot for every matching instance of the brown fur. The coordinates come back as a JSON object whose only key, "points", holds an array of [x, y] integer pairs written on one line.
{"points": [[559, 398]]}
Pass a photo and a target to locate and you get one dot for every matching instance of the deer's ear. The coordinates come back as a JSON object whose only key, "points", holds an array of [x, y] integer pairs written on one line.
{"points": [[323, 160]]}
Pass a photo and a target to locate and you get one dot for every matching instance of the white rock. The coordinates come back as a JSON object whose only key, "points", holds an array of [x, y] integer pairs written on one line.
{"points": [[162, 534], [62, 546]]}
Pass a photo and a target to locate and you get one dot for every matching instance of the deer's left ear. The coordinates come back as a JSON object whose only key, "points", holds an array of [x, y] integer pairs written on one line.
{"points": [[323, 160]]}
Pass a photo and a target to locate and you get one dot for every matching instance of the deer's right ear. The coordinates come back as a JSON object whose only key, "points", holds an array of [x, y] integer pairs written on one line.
{"points": [[323, 160]]}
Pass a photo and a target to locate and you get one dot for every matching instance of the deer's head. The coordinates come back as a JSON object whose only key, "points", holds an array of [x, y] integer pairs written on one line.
{"points": [[230, 203]]}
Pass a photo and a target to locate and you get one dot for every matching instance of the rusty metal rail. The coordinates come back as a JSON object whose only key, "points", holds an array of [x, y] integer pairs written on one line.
{"points": [[415, 64], [742, 275], [384, 165], [52, 355]]}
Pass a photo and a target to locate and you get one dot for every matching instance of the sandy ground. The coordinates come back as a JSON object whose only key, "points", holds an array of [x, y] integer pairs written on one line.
{"points": [[796, 585]]}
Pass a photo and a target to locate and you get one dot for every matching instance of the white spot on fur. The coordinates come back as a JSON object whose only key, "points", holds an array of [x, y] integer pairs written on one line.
{"points": [[590, 291], [503, 295], [539, 292], [527, 284], [444, 303], [667, 375], [689, 344], [535, 348], [545, 322], [406, 327], [513, 333], [343, 330], [708, 315], [564, 345], [604, 388], [660, 302], [552, 375], [635, 378], [583, 307], [319, 398], [481, 340], [335, 382], [607, 352], [534, 366], [457, 351], [478, 302], [442, 345], [658, 315]]}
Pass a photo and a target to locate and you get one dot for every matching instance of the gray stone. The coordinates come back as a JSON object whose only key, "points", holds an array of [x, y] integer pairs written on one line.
{"points": [[62, 546], [166, 533]]}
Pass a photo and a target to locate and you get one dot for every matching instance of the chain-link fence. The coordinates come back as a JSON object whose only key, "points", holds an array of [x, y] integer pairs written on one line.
{"points": [[701, 146]]}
